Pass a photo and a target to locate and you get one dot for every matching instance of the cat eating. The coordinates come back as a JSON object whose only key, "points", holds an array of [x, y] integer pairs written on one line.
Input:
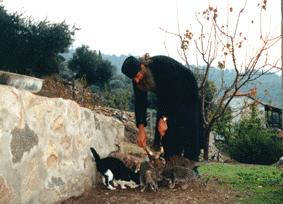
{"points": [[129, 161], [180, 174], [112, 169]]}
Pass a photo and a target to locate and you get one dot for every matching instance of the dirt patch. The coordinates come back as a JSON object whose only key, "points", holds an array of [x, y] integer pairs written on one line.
{"points": [[212, 193]]}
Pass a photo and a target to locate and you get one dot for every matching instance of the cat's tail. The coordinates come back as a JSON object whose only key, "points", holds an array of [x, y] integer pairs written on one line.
{"points": [[118, 148], [202, 182], [96, 156], [206, 181]]}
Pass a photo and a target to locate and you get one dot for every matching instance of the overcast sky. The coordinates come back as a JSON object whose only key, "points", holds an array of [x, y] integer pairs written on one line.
{"points": [[132, 26]]}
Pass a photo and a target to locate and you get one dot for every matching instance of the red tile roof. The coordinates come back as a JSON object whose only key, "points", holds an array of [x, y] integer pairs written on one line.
{"points": [[238, 93]]}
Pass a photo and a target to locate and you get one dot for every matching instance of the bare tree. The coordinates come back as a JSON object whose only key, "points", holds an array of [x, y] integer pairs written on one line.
{"points": [[227, 41]]}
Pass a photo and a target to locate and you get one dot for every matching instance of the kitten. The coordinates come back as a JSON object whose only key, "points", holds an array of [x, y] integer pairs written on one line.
{"points": [[180, 174], [149, 175], [112, 169], [131, 163]]}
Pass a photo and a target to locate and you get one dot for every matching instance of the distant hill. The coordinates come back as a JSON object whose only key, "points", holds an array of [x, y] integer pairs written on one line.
{"points": [[116, 60], [272, 82]]}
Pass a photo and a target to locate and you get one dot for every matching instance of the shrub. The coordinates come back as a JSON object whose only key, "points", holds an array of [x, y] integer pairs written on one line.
{"points": [[253, 143], [114, 98], [255, 149], [223, 126]]}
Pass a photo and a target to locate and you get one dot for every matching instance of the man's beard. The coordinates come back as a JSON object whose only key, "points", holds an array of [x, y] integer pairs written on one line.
{"points": [[147, 83]]}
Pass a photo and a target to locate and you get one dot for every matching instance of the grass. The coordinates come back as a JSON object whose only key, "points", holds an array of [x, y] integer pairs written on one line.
{"points": [[131, 150], [264, 182]]}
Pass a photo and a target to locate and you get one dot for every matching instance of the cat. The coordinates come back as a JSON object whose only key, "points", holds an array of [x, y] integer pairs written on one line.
{"points": [[180, 174], [129, 161], [184, 162], [149, 175], [112, 169]]}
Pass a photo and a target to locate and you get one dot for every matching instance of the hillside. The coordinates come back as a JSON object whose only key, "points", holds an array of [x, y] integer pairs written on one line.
{"points": [[271, 82]]}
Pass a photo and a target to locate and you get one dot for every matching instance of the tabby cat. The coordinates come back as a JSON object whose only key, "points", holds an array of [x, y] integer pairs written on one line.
{"points": [[149, 175], [180, 174], [184, 162], [129, 161]]}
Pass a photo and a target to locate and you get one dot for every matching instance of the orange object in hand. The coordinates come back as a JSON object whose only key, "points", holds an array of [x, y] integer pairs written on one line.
{"points": [[162, 126]]}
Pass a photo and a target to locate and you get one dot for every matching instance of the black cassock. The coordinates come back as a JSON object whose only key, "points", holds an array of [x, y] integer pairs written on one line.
{"points": [[177, 95]]}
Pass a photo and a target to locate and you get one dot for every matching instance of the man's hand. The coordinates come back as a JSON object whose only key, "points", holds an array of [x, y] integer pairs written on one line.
{"points": [[142, 137], [162, 127]]}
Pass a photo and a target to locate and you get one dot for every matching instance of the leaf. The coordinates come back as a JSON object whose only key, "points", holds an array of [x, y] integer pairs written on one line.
{"points": [[265, 90], [252, 21], [231, 9], [260, 83]]}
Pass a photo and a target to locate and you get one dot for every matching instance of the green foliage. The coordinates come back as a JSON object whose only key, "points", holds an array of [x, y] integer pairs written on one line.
{"points": [[114, 98], [30, 47], [88, 62], [223, 126], [253, 143]]}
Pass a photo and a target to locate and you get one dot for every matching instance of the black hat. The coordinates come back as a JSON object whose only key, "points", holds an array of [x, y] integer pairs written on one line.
{"points": [[131, 67]]}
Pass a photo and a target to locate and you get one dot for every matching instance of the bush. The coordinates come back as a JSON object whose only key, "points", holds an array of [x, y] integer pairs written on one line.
{"points": [[114, 98], [223, 126], [255, 149], [253, 143]]}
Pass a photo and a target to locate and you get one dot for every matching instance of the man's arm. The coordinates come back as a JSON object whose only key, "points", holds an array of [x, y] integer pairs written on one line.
{"points": [[142, 137], [140, 105]]}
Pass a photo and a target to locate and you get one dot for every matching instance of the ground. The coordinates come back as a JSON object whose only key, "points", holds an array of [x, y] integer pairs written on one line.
{"points": [[214, 192]]}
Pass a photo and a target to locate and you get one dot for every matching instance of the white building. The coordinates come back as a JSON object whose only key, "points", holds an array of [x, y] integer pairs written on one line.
{"points": [[240, 105]]}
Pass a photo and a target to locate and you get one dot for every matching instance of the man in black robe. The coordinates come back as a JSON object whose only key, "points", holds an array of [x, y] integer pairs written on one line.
{"points": [[179, 119]]}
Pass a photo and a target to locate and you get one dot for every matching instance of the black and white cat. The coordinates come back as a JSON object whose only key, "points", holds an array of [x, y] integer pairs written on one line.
{"points": [[112, 169]]}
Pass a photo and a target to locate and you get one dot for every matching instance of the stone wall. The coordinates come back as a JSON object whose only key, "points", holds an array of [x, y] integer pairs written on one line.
{"points": [[44, 146]]}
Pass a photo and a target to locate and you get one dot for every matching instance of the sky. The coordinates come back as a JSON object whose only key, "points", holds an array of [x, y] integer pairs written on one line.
{"points": [[133, 27]]}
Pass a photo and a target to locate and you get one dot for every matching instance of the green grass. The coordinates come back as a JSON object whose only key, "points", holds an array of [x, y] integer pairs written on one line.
{"points": [[131, 150], [262, 181]]}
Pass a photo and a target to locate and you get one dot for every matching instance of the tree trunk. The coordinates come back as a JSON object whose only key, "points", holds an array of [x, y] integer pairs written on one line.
{"points": [[205, 155]]}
